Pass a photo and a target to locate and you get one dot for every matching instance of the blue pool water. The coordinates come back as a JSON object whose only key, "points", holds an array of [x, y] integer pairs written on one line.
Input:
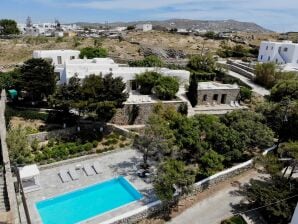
{"points": [[88, 202]]}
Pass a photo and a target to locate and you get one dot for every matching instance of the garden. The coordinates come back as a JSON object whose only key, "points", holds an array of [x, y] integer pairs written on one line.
{"points": [[85, 142]]}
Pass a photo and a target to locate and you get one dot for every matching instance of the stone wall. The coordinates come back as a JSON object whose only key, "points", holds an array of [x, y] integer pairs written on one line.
{"points": [[9, 181], [235, 68], [231, 95], [136, 114], [43, 136]]}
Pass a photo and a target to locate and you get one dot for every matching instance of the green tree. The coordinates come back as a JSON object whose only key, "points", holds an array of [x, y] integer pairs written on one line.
{"points": [[211, 162], [205, 63], [10, 80], [105, 110], [282, 118], [166, 88], [148, 61], [276, 195], [67, 95], [90, 52], [192, 93], [285, 89], [38, 78], [147, 81], [8, 27], [18, 145], [172, 176], [265, 74], [245, 93]]}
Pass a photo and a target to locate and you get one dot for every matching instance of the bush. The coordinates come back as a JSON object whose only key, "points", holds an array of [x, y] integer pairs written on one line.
{"points": [[149, 61], [95, 143], [91, 52], [147, 81], [88, 146], [245, 93], [166, 88], [122, 145], [183, 109]]}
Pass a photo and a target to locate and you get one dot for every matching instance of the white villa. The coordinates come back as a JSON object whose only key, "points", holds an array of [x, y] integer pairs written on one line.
{"points": [[67, 65], [144, 27], [284, 53]]}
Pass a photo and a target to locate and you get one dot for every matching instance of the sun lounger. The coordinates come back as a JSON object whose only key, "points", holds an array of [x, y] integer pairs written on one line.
{"points": [[96, 167], [73, 174], [232, 104], [63, 174], [88, 170], [237, 104]]}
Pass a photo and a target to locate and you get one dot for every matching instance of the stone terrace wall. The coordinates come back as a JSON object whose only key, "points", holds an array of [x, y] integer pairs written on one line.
{"points": [[155, 207], [135, 114], [9, 181], [43, 136]]}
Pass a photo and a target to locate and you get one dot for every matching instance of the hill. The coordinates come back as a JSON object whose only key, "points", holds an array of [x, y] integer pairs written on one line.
{"points": [[210, 25]]}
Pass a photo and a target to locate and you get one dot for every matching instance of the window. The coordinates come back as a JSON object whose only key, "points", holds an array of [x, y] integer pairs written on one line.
{"points": [[266, 48], [223, 98], [272, 48], [205, 97], [72, 57], [268, 58], [261, 57], [215, 97], [276, 60], [285, 49], [59, 59], [134, 85]]}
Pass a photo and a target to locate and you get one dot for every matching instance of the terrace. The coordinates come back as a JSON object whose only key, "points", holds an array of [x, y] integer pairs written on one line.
{"points": [[114, 164]]}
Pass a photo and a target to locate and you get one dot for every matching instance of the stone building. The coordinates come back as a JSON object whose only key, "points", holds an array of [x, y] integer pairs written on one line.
{"points": [[214, 93]]}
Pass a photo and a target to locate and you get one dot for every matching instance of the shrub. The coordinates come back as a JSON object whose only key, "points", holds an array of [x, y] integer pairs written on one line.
{"points": [[88, 146], [245, 93], [122, 138], [183, 109], [147, 81], [91, 52], [95, 143], [122, 145], [166, 87]]}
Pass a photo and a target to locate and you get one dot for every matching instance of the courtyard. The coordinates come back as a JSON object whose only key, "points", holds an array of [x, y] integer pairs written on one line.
{"points": [[117, 163]]}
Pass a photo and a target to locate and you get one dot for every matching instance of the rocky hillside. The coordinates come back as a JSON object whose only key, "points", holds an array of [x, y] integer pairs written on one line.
{"points": [[216, 25]]}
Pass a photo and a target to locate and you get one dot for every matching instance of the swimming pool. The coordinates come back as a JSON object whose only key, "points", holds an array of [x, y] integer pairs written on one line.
{"points": [[88, 202]]}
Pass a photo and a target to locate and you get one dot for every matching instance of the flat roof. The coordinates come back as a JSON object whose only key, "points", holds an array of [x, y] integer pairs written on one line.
{"points": [[216, 85]]}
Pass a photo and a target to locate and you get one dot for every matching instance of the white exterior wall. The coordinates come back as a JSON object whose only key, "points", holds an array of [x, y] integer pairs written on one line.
{"points": [[144, 27], [104, 66], [56, 55], [295, 216], [278, 52]]}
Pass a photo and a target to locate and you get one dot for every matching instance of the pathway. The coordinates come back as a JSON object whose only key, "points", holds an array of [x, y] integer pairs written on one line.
{"points": [[216, 204], [255, 88]]}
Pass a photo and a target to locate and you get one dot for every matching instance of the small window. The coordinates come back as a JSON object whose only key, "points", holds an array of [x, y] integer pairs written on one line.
{"points": [[215, 97], [269, 58], [272, 48], [267, 48], [72, 57], [59, 59], [223, 98], [285, 49], [261, 57], [205, 97], [276, 60]]}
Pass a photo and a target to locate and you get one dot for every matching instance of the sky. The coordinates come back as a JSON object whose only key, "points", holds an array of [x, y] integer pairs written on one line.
{"points": [[277, 15]]}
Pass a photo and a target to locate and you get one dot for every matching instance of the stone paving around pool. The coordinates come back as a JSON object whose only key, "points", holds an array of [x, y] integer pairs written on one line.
{"points": [[114, 164]]}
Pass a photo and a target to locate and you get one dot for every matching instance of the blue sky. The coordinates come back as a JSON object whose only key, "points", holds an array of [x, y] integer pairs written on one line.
{"points": [[278, 15]]}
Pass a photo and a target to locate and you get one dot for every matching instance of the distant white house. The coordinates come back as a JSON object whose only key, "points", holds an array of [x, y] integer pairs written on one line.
{"points": [[144, 27], [283, 53]]}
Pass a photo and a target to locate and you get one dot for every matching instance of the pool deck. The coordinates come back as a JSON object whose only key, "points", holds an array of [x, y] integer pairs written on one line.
{"points": [[112, 165]]}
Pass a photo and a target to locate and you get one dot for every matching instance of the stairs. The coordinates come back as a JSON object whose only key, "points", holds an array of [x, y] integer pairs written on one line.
{"points": [[4, 204]]}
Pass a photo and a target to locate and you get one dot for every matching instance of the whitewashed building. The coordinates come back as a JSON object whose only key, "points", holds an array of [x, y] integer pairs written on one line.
{"points": [[58, 57], [68, 65], [144, 27], [284, 53], [295, 216]]}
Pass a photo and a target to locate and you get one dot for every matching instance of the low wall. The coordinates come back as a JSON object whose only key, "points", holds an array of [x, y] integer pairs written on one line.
{"points": [[43, 136], [136, 114], [155, 207], [240, 71]]}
